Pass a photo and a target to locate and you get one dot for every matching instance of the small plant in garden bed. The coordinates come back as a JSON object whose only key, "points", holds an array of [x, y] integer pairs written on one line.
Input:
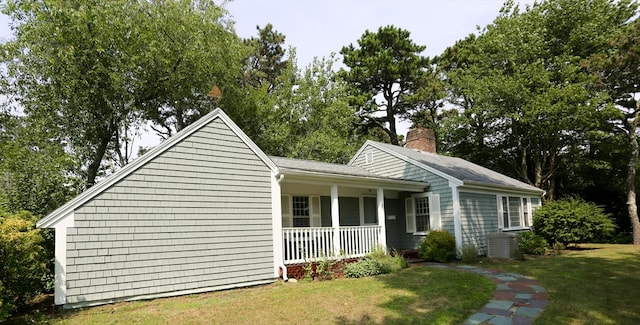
{"points": [[376, 263]]}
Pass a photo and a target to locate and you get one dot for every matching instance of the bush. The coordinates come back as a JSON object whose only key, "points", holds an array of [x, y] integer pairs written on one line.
{"points": [[439, 246], [469, 254], [5, 309], [363, 268], [24, 261], [530, 243], [571, 221], [378, 262]]}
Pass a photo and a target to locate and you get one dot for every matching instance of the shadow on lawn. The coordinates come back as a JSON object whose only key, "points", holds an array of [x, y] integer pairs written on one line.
{"points": [[430, 296], [597, 286]]}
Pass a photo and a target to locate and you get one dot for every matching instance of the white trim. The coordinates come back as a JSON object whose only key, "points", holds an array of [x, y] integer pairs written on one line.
{"points": [[60, 297], [382, 237], [492, 187], [457, 221], [50, 220], [276, 219], [318, 178], [497, 191], [520, 213], [361, 209], [335, 219]]}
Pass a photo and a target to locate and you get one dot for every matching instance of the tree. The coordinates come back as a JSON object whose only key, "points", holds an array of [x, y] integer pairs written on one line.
{"points": [[522, 91], [266, 61], [384, 71], [305, 116], [617, 68], [36, 173], [94, 69]]}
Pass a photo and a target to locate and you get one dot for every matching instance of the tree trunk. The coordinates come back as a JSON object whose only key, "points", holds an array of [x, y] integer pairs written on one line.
{"points": [[391, 118], [94, 166], [631, 125]]}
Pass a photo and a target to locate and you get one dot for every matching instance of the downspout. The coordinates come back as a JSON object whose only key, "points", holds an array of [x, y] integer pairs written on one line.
{"points": [[282, 266]]}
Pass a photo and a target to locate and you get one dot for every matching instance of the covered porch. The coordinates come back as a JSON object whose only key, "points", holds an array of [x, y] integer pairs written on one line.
{"points": [[331, 211]]}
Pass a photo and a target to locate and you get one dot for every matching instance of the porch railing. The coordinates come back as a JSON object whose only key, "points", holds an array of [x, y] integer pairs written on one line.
{"points": [[312, 244]]}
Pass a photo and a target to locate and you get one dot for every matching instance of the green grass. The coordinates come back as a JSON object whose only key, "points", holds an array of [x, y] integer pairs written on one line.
{"points": [[597, 284], [417, 295], [594, 284]]}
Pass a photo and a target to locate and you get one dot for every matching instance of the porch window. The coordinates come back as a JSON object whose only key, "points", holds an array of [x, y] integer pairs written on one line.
{"points": [[300, 211], [422, 213]]}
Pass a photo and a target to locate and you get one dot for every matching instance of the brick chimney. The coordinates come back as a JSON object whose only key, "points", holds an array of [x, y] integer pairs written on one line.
{"points": [[422, 139]]}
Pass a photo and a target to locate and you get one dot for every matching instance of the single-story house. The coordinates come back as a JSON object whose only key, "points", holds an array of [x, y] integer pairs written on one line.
{"points": [[208, 210]]}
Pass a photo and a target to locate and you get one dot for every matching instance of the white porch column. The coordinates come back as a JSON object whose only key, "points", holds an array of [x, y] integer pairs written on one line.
{"points": [[381, 218], [335, 219]]}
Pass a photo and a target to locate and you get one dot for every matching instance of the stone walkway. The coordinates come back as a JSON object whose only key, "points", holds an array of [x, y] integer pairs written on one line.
{"points": [[517, 299]]}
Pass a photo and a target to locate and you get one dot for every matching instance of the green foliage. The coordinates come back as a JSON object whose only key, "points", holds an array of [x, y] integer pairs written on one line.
{"points": [[469, 254], [386, 64], [530, 243], [525, 103], [306, 116], [439, 246], [97, 70], [37, 173], [377, 262], [5, 309], [571, 221], [363, 268], [24, 261]]}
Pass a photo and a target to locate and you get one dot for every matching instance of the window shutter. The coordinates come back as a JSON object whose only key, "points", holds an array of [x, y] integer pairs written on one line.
{"points": [[500, 212], [285, 207], [434, 211], [410, 214], [314, 211]]}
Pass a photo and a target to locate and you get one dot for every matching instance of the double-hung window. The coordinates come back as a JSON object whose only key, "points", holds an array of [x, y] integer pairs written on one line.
{"points": [[300, 211], [516, 212], [422, 213]]}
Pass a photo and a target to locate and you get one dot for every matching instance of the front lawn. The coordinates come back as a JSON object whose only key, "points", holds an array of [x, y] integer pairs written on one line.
{"points": [[597, 284], [417, 295], [594, 284]]}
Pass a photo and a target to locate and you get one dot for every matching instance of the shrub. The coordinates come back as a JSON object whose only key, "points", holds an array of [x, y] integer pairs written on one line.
{"points": [[530, 243], [376, 263], [363, 268], [439, 246], [469, 254], [5, 309], [24, 261], [571, 221]]}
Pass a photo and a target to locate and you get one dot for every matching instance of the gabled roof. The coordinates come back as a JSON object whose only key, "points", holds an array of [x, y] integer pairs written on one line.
{"points": [[322, 169], [55, 216], [455, 169]]}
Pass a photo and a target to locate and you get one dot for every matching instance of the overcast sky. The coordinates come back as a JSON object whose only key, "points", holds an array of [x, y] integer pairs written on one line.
{"points": [[316, 28]]}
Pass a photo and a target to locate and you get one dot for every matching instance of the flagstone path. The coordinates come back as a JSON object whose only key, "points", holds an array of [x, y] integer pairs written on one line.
{"points": [[517, 300]]}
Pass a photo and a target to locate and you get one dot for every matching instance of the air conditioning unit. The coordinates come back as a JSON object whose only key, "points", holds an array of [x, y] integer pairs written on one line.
{"points": [[502, 245]]}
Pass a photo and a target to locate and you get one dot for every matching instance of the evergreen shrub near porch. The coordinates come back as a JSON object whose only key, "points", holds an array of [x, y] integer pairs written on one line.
{"points": [[439, 246]]}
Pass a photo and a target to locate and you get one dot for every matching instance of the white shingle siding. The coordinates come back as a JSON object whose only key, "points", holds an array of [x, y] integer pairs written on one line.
{"points": [[197, 216]]}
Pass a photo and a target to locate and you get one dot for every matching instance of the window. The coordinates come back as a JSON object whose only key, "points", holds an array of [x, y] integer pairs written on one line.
{"points": [[515, 212], [300, 211], [369, 158], [422, 213]]}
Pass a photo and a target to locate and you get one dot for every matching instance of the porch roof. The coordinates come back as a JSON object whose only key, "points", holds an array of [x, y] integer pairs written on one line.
{"points": [[330, 171]]}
